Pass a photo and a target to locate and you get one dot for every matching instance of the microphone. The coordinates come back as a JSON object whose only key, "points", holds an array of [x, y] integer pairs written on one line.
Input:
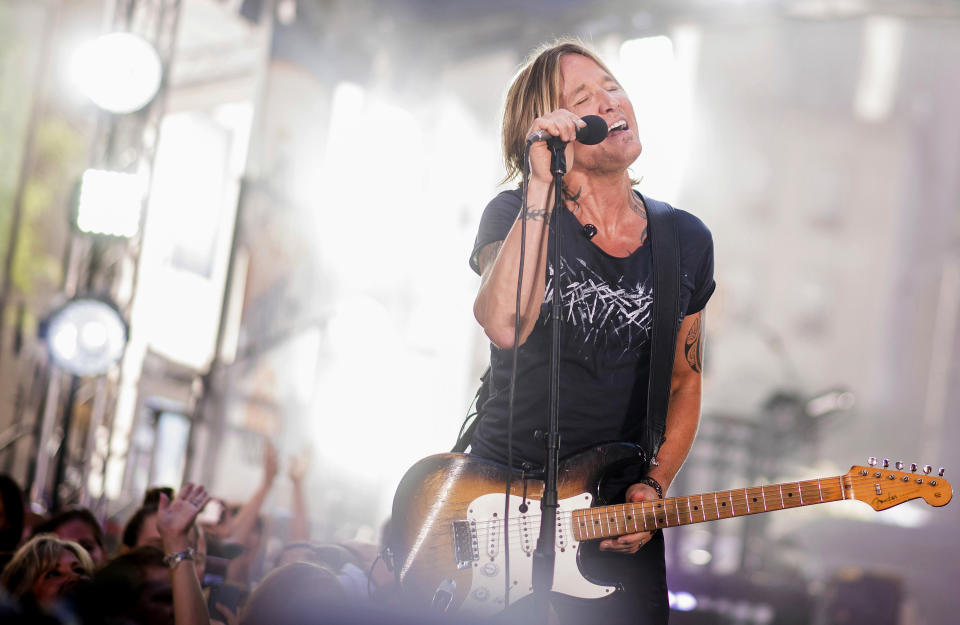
{"points": [[589, 231], [593, 133]]}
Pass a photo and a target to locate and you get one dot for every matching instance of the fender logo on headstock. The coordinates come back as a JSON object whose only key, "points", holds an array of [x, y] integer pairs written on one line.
{"points": [[880, 501]]}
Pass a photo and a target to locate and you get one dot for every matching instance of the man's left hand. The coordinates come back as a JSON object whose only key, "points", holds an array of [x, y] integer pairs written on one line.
{"points": [[631, 543]]}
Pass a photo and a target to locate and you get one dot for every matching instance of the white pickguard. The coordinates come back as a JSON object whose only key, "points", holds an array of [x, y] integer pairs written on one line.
{"points": [[487, 586]]}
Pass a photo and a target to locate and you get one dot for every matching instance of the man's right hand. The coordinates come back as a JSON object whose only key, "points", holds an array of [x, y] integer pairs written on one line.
{"points": [[560, 123]]}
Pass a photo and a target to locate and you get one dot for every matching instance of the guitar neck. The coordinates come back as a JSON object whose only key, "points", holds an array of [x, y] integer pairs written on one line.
{"points": [[645, 516]]}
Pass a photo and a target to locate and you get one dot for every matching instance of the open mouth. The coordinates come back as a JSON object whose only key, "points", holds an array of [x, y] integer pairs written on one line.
{"points": [[617, 127]]}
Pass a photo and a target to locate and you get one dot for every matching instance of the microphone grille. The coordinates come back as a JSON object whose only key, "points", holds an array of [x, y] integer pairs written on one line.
{"points": [[594, 132]]}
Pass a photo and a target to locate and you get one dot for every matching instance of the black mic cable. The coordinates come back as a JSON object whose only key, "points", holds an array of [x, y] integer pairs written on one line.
{"points": [[513, 372]]}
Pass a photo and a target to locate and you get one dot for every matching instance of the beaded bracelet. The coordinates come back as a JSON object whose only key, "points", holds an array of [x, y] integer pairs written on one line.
{"points": [[652, 483]]}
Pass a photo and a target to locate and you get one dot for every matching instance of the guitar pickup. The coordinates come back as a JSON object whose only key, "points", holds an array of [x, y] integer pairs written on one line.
{"points": [[466, 549]]}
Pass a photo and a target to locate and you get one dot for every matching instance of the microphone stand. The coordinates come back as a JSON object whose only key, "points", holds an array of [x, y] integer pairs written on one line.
{"points": [[544, 556]]}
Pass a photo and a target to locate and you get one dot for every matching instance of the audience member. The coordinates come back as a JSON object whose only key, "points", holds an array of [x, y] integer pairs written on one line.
{"points": [[175, 519], [45, 568], [141, 530], [132, 588], [243, 526], [294, 594], [150, 584], [11, 518], [80, 526]]}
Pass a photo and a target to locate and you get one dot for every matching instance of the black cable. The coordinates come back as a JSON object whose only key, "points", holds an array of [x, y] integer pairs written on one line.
{"points": [[513, 374], [370, 585], [473, 411]]}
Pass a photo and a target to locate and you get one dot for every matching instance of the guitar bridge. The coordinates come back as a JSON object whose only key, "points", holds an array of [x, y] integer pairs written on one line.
{"points": [[466, 549]]}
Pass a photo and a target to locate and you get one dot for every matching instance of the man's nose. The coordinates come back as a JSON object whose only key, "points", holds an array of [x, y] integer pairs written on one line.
{"points": [[606, 101]]}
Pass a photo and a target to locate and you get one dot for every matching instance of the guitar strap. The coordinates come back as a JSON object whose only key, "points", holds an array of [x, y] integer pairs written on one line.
{"points": [[665, 248]]}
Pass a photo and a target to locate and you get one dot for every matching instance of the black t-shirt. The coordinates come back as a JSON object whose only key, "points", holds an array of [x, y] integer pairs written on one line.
{"points": [[606, 318]]}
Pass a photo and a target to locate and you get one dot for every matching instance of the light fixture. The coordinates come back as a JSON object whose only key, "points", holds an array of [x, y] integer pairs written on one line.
{"points": [[682, 601], [119, 72], [86, 336], [110, 203]]}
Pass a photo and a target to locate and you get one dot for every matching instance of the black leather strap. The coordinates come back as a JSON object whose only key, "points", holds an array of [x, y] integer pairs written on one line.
{"points": [[665, 248]]}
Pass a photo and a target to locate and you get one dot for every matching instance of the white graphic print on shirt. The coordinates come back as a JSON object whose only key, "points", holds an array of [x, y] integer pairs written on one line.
{"points": [[596, 310]]}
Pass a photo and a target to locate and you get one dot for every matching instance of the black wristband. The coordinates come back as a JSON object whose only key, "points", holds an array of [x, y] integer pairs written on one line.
{"points": [[652, 483]]}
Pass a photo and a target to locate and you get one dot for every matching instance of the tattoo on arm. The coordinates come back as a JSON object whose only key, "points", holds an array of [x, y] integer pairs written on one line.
{"points": [[693, 344], [535, 214], [488, 254]]}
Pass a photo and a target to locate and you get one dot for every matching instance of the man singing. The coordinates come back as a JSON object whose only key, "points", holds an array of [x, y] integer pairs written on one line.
{"points": [[606, 285]]}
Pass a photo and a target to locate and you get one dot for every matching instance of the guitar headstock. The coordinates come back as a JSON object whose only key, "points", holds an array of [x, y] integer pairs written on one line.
{"points": [[881, 487]]}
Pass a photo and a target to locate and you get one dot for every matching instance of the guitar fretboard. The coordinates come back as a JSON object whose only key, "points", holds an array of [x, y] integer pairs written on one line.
{"points": [[645, 516]]}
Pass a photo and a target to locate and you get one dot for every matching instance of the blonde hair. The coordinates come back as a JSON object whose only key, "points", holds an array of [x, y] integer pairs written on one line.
{"points": [[37, 556], [535, 91]]}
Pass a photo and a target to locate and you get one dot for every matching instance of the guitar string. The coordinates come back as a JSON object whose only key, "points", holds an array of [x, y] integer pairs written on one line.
{"points": [[833, 493], [517, 529], [670, 507]]}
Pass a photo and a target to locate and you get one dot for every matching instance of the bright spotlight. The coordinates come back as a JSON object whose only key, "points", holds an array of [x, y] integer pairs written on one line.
{"points": [[110, 203], [682, 601], [119, 72], [699, 557], [86, 336]]}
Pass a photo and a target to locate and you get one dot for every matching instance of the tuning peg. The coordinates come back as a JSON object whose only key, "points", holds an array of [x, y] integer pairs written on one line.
{"points": [[940, 472], [872, 461], [927, 469], [899, 465], [913, 467], [886, 463]]}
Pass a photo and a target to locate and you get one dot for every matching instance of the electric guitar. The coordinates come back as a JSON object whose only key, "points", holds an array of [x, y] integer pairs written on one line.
{"points": [[448, 538]]}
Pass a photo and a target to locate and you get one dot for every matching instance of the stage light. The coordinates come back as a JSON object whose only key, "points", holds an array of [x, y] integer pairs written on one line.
{"points": [[682, 601], [86, 336], [830, 403], [699, 557], [882, 49], [119, 72], [110, 203]]}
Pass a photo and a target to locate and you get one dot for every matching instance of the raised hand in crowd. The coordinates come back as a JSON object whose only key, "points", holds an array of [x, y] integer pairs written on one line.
{"points": [[246, 527], [175, 518], [245, 521], [300, 523]]}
